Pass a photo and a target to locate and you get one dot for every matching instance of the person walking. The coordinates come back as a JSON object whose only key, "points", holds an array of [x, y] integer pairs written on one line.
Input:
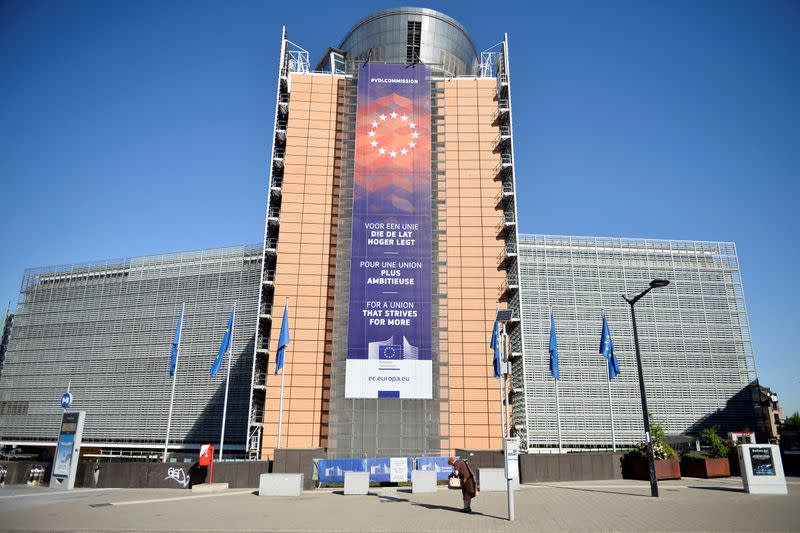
{"points": [[469, 484]]}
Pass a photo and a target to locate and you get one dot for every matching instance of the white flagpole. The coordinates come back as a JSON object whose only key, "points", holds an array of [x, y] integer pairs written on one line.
{"points": [[507, 367], [611, 411], [280, 409], [174, 379], [558, 418], [227, 382], [502, 400], [283, 375]]}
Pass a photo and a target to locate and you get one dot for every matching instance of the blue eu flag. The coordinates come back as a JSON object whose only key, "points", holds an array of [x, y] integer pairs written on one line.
{"points": [[223, 347], [553, 350], [607, 350], [173, 360], [283, 340], [495, 345], [391, 352]]}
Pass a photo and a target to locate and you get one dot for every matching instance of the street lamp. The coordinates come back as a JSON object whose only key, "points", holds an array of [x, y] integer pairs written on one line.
{"points": [[651, 462]]}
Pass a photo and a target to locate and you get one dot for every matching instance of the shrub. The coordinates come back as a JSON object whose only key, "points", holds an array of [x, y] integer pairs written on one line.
{"points": [[693, 456], [710, 437], [661, 450]]}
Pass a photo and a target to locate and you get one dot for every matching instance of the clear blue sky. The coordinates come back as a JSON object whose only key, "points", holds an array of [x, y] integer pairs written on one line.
{"points": [[130, 128]]}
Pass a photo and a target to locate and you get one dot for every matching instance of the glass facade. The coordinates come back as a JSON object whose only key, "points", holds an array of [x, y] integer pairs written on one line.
{"points": [[694, 336], [406, 35], [106, 329]]}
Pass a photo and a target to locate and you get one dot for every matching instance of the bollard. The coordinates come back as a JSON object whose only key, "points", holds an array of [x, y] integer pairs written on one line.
{"points": [[3, 473]]}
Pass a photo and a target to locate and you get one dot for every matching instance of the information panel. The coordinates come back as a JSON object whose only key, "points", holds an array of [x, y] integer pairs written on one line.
{"points": [[389, 335], [761, 461]]}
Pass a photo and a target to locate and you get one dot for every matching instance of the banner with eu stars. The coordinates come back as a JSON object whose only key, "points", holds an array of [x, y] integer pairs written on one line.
{"points": [[389, 325]]}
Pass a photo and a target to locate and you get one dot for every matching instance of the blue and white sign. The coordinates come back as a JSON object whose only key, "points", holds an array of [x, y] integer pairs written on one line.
{"points": [[66, 400], [435, 464]]}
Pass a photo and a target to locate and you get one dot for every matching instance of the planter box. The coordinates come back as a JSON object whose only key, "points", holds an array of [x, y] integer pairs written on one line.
{"points": [[706, 468], [665, 469]]}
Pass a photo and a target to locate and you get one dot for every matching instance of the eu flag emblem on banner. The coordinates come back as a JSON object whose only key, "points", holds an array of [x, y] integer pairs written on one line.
{"points": [[283, 340], [553, 350], [226, 344], [391, 352], [173, 360], [495, 345], [607, 350]]}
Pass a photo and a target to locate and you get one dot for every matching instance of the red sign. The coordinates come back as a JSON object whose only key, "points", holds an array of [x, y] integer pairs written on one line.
{"points": [[206, 454]]}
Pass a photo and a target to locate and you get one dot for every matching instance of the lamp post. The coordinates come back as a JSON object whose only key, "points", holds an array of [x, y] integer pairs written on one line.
{"points": [[651, 462]]}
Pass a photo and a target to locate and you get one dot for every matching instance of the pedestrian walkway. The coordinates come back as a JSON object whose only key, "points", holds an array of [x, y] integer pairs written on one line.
{"points": [[619, 505]]}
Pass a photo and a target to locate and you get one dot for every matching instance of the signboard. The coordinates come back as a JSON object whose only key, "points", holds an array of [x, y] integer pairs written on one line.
{"points": [[380, 469], [66, 400], [206, 454], [389, 329], [65, 462], [399, 469], [435, 464], [511, 448], [332, 470], [761, 461], [761, 468]]}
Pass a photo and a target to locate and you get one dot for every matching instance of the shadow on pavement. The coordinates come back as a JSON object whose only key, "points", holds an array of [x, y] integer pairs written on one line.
{"points": [[723, 489], [454, 509], [605, 491], [341, 493]]}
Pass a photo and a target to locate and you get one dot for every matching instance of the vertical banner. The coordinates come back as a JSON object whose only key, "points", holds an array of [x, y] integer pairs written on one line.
{"points": [[389, 335]]}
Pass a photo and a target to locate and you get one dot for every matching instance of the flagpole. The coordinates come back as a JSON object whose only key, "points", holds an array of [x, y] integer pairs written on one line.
{"points": [[283, 375], [506, 365], [227, 382], [558, 418], [502, 404], [174, 379], [611, 411]]}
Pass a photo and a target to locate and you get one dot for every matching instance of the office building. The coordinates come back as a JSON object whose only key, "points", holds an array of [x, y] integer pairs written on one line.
{"points": [[404, 123], [105, 330], [694, 334]]}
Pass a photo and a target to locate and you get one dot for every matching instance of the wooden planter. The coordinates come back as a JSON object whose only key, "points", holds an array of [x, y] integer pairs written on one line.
{"points": [[665, 469], [706, 468]]}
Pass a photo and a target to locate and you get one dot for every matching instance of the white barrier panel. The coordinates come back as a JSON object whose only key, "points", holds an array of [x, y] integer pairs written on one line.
{"points": [[280, 485], [423, 481], [356, 482], [494, 480]]}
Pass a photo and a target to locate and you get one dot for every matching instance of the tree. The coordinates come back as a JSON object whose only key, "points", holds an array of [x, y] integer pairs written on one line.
{"points": [[793, 422]]}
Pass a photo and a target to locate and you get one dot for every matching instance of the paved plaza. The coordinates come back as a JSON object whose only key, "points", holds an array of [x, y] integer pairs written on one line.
{"points": [[684, 505]]}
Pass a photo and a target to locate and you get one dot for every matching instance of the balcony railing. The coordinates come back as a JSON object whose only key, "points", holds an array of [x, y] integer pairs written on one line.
{"points": [[263, 342]]}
